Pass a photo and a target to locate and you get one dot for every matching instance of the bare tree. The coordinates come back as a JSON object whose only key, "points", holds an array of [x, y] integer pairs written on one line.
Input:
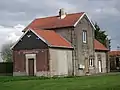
{"points": [[6, 52]]}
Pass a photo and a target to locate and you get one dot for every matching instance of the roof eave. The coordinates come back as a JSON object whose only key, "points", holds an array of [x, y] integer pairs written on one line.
{"points": [[58, 28], [65, 47], [104, 50]]}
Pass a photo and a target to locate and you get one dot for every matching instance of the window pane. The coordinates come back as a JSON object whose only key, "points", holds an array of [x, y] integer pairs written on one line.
{"points": [[84, 36]]}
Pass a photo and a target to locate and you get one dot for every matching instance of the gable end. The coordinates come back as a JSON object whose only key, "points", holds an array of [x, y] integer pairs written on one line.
{"points": [[29, 41], [87, 18]]}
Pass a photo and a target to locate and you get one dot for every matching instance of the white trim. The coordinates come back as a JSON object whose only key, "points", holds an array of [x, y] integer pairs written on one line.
{"points": [[99, 66], [25, 34], [50, 44], [39, 36], [79, 19], [41, 39], [19, 39], [91, 62], [84, 36], [28, 56], [88, 19]]}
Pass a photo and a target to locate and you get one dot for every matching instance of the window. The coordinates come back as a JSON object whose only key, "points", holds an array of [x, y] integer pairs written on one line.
{"points": [[84, 36], [99, 57], [91, 62]]}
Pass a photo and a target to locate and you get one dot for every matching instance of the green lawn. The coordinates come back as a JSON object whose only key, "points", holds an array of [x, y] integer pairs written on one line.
{"points": [[104, 82]]}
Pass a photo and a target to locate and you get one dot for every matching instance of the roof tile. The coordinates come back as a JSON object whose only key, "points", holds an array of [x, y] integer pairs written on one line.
{"points": [[55, 21], [99, 46], [114, 53], [53, 38]]}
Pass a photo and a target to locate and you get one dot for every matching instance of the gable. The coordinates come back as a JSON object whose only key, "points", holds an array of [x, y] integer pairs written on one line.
{"points": [[85, 16], [30, 41], [34, 38]]}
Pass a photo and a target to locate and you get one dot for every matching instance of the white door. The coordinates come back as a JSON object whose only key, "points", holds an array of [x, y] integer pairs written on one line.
{"points": [[99, 66]]}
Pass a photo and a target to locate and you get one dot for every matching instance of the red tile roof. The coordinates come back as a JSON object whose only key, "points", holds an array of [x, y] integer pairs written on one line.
{"points": [[55, 39], [114, 53], [99, 46], [55, 21], [52, 38]]}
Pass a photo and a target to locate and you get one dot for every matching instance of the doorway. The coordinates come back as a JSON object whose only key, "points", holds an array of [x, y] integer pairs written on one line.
{"points": [[99, 66], [31, 66], [99, 57], [86, 66], [117, 63]]}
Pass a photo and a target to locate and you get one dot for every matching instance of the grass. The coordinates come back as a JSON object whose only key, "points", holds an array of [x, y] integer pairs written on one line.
{"points": [[103, 82]]}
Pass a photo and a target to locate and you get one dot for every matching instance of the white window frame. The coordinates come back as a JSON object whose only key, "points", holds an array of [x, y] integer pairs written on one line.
{"points": [[91, 62], [84, 36]]}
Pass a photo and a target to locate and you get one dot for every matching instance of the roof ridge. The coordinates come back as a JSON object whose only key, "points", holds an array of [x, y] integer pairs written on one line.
{"points": [[58, 15], [51, 22]]}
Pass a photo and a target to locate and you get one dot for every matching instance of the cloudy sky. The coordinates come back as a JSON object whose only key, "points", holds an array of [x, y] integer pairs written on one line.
{"points": [[16, 14]]}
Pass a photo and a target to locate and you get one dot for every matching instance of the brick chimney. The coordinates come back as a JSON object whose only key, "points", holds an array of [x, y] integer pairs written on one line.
{"points": [[62, 13]]}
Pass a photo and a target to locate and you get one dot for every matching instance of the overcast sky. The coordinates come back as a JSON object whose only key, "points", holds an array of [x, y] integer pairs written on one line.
{"points": [[16, 14]]}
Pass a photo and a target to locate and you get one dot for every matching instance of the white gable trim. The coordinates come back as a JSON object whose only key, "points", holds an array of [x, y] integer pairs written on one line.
{"points": [[50, 44], [40, 37], [88, 19], [79, 19], [25, 34], [19, 39]]}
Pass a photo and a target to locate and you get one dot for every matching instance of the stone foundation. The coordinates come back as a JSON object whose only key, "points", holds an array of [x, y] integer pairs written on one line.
{"points": [[19, 74], [80, 73], [43, 73], [92, 70]]}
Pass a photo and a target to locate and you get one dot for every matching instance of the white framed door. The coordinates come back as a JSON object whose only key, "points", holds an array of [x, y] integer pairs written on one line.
{"points": [[30, 63]]}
